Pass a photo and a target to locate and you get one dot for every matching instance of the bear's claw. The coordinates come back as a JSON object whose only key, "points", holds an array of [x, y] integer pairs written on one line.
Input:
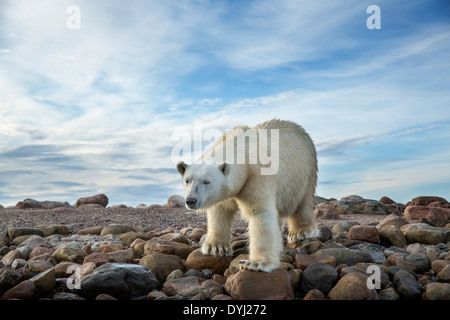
{"points": [[217, 250]]}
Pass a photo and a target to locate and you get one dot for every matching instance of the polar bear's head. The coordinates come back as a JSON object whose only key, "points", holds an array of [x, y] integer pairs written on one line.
{"points": [[204, 184]]}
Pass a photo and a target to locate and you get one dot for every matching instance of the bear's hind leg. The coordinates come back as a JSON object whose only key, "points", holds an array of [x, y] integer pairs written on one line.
{"points": [[301, 223], [218, 238]]}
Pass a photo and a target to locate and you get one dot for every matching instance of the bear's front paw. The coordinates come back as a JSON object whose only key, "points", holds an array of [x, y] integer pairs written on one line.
{"points": [[256, 266], [219, 250]]}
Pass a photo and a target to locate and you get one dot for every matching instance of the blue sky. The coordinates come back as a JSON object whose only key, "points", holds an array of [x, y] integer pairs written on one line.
{"points": [[94, 110]]}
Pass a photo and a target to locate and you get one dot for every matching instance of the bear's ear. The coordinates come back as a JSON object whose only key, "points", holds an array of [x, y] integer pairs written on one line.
{"points": [[181, 167], [224, 167]]}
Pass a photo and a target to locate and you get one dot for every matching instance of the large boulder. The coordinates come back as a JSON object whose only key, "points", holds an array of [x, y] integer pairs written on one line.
{"points": [[99, 199], [120, 280]]}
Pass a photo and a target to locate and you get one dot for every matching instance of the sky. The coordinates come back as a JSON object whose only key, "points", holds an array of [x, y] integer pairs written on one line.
{"points": [[93, 99]]}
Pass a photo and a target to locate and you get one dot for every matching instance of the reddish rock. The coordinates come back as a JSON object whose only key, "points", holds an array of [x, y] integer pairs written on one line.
{"points": [[100, 199], [390, 235], [38, 251], [353, 286], [196, 234], [426, 200], [90, 230], [314, 294], [364, 233], [397, 259], [126, 256], [98, 258], [439, 265], [198, 261], [191, 286], [302, 261], [110, 247], [162, 264], [250, 285], [158, 245], [387, 200], [437, 291], [429, 213], [23, 291], [34, 204]]}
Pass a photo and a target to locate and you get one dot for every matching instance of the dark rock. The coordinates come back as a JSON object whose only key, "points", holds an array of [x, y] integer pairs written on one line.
{"points": [[319, 276], [9, 278], [421, 261], [406, 286], [120, 280], [346, 256], [17, 232], [34, 204], [100, 199]]}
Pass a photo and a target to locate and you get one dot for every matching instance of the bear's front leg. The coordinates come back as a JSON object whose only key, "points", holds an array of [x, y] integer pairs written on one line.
{"points": [[265, 242], [218, 237]]}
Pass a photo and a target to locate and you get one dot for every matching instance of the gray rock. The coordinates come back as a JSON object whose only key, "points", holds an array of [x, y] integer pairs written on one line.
{"points": [[388, 294], [9, 278], [120, 280], [420, 260], [319, 276], [346, 256], [17, 232], [406, 286], [36, 241]]}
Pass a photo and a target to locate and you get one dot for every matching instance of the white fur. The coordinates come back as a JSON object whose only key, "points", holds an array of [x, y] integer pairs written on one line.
{"points": [[264, 200]]}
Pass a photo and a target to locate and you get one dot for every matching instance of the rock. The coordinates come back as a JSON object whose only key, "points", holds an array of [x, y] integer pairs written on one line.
{"points": [[25, 290], [35, 241], [48, 230], [33, 268], [438, 216], [17, 232], [392, 219], [9, 278], [175, 202], [66, 296], [250, 285], [85, 269], [346, 256], [98, 258], [4, 240], [110, 247], [314, 294], [162, 264], [9, 258], [65, 269], [129, 237], [319, 276], [438, 265], [158, 245], [444, 274], [116, 229], [302, 261], [175, 237], [358, 205], [34, 204], [90, 230], [364, 233], [325, 214], [387, 200], [390, 235], [44, 281], [426, 200], [38, 251], [69, 254], [437, 291], [126, 256], [406, 286], [376, 251], [424, 233], [196, 234], [420, 261], [398, 260], [388, 294], [18, 263], [120, 280], [343, 226], [353, 286], [365, 269], [100, 199], [198, 261], [190, 286], [156, 294], [325, 234]]}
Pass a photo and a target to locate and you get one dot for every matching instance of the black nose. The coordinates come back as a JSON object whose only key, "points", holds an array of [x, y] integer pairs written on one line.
{"points": [[191, 202]]}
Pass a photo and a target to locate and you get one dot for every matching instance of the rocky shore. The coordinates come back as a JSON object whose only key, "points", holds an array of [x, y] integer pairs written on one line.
{"points": [[368, 250]]}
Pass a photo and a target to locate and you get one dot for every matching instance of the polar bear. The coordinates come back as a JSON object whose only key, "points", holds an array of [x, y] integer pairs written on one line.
{"points": [[265, 201]]}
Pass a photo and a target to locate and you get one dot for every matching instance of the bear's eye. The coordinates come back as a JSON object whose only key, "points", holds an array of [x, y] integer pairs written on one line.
{"points": [[205, 182], [187, 181]]}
